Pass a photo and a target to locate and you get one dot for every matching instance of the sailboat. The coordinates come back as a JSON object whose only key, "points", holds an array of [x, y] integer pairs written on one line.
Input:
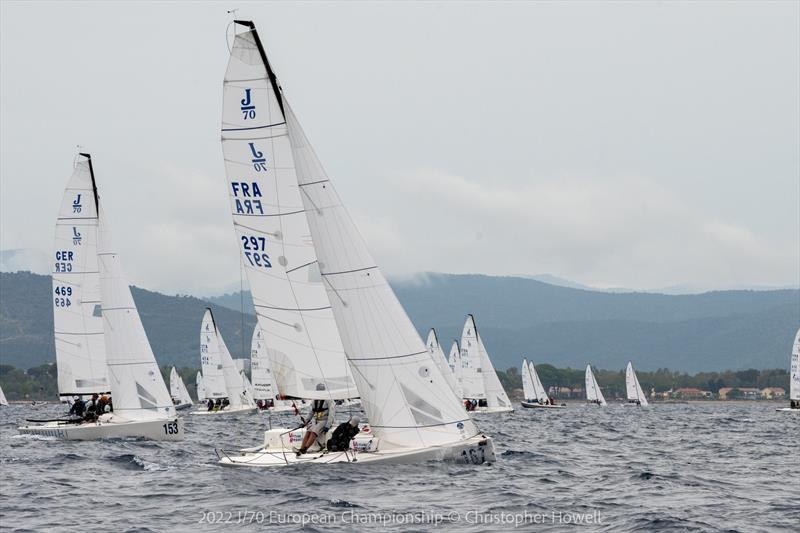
{"points": [[223, 382], [634, 390], [593, 393], [3, 401], [413, 413], [794, 378], [454, 362], [265, 390], [142, 405], [535, 394], [178, 392], [200, 387], [437, 355], [479, 379]]}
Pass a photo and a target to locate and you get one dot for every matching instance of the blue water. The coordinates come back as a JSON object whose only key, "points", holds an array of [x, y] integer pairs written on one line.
{"points": [[697, 467]]}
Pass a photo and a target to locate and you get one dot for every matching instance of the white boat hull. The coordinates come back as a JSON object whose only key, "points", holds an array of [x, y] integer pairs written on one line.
{"points": [[492, 410], [788, 410], [476, 450], [542, 406], [110, 427], [183, 406], [243, 410]]}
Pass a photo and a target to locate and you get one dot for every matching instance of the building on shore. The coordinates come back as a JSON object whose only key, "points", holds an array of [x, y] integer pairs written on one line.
{"points": [[773, 393], [691, 393], [739, 393]]}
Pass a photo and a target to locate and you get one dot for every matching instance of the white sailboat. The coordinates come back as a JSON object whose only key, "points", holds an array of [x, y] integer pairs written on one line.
{"points": [[437, 355], [535, 394], [265, 390], [200, 387], [593, 393], [794, 378], [454, 362], [178, 392], [142, 405], [634, 390], [479, 379], [413, 413], [3, 401], [224, 384]]}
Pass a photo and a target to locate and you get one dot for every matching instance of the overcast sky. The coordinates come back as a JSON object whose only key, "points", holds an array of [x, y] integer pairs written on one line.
{"points": [[623, 144]]}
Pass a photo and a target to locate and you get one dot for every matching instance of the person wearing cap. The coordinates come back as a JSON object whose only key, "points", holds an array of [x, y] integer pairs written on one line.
{"points": [[91, 412], [343, 434], [78, 406], [319, 420]]}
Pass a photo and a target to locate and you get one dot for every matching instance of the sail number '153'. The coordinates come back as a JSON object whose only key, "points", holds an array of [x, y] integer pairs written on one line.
{"points": [[254, 249], [171, 428]]}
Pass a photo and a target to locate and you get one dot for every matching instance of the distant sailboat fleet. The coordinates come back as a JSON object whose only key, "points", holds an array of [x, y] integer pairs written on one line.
{"points": [[330, 330]]}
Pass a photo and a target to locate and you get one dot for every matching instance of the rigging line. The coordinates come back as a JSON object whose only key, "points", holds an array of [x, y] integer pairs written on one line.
{"points": [[316, 208], [348, 271], [301, 266], [269, 215], [299, 309], [312, 183]]}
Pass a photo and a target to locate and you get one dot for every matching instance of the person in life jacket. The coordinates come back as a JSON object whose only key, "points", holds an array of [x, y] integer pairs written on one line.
{"points": [[343, 434], [319, 420], [91, 406], [78, 406]]}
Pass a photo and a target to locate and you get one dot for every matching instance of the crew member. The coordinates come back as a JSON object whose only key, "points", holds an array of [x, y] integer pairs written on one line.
{"points": [[319, 420]]}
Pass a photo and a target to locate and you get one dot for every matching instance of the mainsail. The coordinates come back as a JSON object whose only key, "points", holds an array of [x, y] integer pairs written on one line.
{"points": [[437, 355], [527, 382], [211, 359], [233, 383], [634, 390], [264, 387], [3, 400], [794, 371], [404, 394], [539, 392], [593, 392], [454, 362], [201, 388], [78, 325], [137, 388], [272, 232], [177, 389]]}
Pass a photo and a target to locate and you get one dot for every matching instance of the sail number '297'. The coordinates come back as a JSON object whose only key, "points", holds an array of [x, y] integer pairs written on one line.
{"points": [[254, 249]]}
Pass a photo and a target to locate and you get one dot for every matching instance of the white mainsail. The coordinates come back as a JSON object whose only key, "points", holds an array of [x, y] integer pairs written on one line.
{"points": [[794, 370], [634, 390], [211, 359], [177, 389], [539, 392], [454, 362], [77, 322], [272, 232], [437, 355], [137, 388], [201, 388], [593, 392], [264, 387], [3, 400], [405, 395], [248, 387]]}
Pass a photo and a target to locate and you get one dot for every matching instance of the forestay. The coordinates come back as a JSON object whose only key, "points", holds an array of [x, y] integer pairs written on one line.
{"points": [[264, 387], [77, 321], [137, 388], [272, 232], [437, 355], [634, 390], [794, 383], [211, 359], [177, 389], [593, 392]]}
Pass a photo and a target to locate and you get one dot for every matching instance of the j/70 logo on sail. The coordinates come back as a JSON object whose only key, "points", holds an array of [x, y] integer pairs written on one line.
{"points": [[248, 108], [76, 204], [259, 161]]}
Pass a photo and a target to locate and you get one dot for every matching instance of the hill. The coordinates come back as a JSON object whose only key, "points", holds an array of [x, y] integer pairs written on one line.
{"points": [[517, 317]]}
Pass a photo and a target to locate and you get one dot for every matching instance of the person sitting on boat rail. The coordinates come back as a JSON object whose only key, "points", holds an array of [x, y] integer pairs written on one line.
{"points": [[343, 434], [210, 404], [319, 420], [78, 407], [91, 408]]}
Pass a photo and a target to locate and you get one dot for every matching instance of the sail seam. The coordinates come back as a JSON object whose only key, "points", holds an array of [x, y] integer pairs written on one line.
{"points": [[255, 127]]}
